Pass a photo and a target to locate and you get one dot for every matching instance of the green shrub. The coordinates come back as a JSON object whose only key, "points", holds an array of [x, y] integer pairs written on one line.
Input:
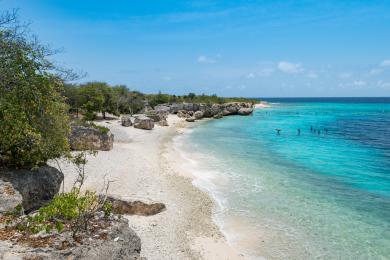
{"points": [[72, 210], [33, 120]]}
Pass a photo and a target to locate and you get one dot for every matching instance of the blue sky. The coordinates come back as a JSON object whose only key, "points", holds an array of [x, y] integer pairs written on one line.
{"points": [[231, 48]]}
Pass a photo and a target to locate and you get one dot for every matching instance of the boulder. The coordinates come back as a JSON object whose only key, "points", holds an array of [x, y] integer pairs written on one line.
{"points": [[157, 115], [118, 242], [163, 122], [143, 122], [9, 197], [90, 138], [198, 115], [230, 108], [175, 108], [126, 121], [182, 114], [162, 108], [37, 187], [218, 116], [137, 207], [245, 111], [190, 119]]}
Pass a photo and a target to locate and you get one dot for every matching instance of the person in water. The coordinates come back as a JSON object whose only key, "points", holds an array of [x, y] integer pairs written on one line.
{"points": [[319, 132], [299, 131], [278, 130], [311, 128]]}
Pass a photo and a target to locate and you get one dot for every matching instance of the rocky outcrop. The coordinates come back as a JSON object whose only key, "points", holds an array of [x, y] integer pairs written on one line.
{"points": [[126, 121], [245, 111], [37, 187], [157, 115], [143, 122], [118, 241], [90, 138], [137, 207], [190, 119], [163, 122], [198, 115], [9, 197], [218, 116]]}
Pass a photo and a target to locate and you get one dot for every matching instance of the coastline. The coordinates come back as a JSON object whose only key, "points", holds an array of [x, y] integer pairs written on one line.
{"points": [[143, 165]]}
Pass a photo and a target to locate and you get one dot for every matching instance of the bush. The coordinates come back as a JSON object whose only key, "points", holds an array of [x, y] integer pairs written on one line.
{"points": [[71, 210], [33, 121]]}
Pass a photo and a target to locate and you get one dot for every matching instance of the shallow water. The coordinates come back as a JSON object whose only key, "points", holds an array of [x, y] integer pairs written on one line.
{"points": [[307, 196]]}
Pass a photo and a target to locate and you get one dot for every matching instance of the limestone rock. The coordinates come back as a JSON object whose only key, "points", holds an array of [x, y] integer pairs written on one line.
{"points": [[137, 207], [9, 197], [190, 119], [37, 187], [218, 116], [121, 243], [163, 122], [157, 115], [126, 121], [245, 111], [143, 122], [198, 115], [90, 138]]}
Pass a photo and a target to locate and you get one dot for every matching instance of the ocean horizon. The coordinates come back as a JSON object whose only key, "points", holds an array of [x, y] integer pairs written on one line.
{"points": [[318, 189]]}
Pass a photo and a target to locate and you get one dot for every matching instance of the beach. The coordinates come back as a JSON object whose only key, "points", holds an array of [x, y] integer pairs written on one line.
{"points": [[142, 166]]}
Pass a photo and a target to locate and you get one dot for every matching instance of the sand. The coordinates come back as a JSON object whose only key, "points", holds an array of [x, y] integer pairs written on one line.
{"points": [[142, 165]]}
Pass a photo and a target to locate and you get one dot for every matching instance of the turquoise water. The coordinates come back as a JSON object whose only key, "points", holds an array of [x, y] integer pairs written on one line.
{"points": [[307, 196]]}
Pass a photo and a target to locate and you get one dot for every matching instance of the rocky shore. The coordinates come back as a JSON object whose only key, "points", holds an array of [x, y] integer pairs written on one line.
{"points": [[171, 217]]}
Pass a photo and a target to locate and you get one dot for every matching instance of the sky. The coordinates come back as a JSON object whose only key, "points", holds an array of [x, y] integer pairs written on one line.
{"points": [[229, 48]]}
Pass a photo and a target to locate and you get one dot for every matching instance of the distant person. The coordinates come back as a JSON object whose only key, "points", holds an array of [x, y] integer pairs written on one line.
{"points": [[311, 128], [299, 131], [278, 131], [319, 132]]}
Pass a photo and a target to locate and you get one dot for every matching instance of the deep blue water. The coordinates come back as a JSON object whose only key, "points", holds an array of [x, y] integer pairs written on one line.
{"points": [[323, 193]]}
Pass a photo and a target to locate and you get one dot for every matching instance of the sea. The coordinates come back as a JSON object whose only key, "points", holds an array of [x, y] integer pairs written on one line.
{"points": [[318, 189]]}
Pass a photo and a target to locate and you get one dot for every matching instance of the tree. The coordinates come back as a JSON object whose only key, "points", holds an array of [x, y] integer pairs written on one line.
{"points": [[33, 121], [97, 97]]}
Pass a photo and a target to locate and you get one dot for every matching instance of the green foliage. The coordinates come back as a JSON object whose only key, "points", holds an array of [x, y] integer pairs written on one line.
{"points": [[107, 209], [70, 209], [102, 129], [33, 121]]}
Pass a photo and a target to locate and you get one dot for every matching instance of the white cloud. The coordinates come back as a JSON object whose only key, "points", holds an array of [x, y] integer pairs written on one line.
{"points": [[376, 71], [359, 83], [345, 75], [383, 84], [291, 68], [385, 63], [312, 75], [356, 83], [266, 72], [205, 59], [250, 76]]}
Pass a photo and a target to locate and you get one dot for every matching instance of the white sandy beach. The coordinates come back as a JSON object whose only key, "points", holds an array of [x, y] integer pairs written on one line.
{"points": [[143, 166]]}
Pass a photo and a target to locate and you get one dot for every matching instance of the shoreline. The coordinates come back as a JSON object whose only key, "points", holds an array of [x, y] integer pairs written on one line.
{"points": [[144, 166]]}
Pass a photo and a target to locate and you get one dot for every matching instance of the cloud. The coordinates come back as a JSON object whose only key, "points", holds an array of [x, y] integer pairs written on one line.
{"points": [[359, 83], [312, 75], [205, 59], [266, 72], [356, 83], [385, 63], [250, 76], [345, 75], [383, 84], [290, 68], [376, 71]]}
